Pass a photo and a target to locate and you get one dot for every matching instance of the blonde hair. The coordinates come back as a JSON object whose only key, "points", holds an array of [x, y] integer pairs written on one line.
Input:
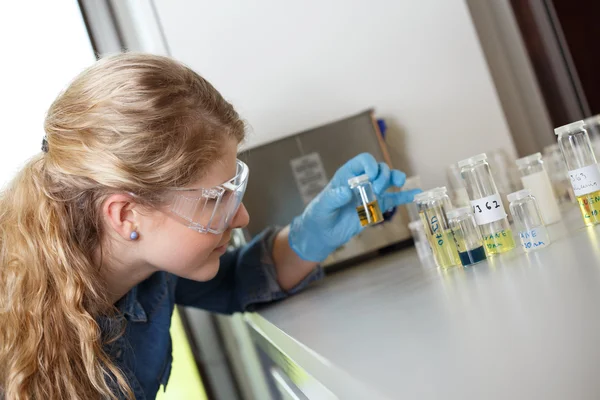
{"points": [[130, 123]]}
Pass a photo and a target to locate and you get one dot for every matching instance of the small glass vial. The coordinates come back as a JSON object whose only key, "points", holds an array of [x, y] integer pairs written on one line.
{"points": [[460, 198], [467, 236], [584, 171], [367, 206], [487, 205], [528, 220], [536, 180], [417, 230], [432, 206]]}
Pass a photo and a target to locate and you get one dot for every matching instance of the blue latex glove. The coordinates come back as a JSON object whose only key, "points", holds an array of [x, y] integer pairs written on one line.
{"points": [[330, 219]]}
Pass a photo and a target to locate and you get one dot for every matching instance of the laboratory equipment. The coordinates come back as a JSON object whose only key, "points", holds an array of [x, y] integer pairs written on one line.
{"points": [[417, 231], [460, 198], [536, 180], [432, 206], [583, 169], [559, 176], [367, 206], [528, 220], [487, 205], [467, 236]]}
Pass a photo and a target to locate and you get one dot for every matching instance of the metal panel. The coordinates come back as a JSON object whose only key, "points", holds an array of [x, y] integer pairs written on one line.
{"points": [[272, 196]]}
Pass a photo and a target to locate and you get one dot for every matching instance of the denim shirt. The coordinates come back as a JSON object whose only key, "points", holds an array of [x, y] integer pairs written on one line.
{"points": [[246, 277]]}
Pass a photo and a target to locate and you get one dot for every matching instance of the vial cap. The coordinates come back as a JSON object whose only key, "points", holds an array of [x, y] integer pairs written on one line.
{"points": [[523, 162], [472, 160], [521, 194], [576, 126], [457, 212], [357, 180], [431, 193]]}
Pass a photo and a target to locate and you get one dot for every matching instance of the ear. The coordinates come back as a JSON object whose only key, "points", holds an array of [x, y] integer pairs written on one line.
{"points": [[118, 211]]}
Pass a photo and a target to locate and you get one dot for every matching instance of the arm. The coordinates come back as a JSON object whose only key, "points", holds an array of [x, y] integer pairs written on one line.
{"points": [[291, 269]]}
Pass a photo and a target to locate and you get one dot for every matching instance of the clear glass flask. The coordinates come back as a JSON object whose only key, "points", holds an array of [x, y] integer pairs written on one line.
{"points": [[528, 220], [432, 206], [487, 205], [536, 180], [467, 236], [584, 171], [367, 206], [460, 198]]}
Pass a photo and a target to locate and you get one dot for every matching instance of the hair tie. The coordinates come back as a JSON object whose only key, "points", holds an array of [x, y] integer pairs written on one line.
{"points": [[45, 144]]}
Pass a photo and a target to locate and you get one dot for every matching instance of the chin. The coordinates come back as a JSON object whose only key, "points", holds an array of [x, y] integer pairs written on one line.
{"points": [[207, 272]]}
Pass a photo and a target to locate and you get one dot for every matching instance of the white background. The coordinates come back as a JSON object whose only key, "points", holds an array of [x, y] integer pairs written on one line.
{"points": [[291, 65], [44, 44]]}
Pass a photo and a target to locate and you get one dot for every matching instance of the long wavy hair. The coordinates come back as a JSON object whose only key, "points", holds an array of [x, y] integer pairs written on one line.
{"points": [[133, 123]]}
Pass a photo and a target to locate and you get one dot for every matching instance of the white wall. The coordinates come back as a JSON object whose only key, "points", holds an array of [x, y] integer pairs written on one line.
{"points": [[291, 65], [44, 44]]}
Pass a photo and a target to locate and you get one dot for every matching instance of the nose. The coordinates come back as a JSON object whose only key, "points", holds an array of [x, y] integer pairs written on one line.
{"points": [[241, 219]]}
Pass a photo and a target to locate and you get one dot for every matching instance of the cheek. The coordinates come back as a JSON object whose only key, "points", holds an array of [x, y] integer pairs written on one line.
{"points": [[181, 251]]}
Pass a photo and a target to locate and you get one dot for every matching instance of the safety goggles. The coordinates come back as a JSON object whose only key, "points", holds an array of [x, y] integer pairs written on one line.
{"points": [[211, 210]]}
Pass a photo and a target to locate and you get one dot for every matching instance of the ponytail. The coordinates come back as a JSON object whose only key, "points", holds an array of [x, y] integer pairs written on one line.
{"points": [[50, 296]]}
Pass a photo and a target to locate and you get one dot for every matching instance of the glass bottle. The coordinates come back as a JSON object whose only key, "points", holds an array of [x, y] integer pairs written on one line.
{"points": [[536, 180], [584, 171], [487, 205], [467, 236], [528, 220], [432, 206]]}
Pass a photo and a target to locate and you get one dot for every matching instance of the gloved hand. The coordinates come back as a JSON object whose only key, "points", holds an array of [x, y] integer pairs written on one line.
{"points": [[330, 219]]}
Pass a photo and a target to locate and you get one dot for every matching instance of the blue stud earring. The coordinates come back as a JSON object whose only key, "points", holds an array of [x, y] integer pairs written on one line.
{"points": [[133, 235]]}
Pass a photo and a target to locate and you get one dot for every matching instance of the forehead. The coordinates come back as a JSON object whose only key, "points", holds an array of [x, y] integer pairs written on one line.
{"points": [[222, 169]]}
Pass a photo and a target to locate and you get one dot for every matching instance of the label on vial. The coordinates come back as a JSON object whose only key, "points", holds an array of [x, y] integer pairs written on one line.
{"points": [[534, 238], [585, 180], [488, 209], [310, 175]]}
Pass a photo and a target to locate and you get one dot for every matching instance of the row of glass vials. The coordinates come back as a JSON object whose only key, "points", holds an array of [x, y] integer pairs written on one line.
{"points": [[467, 235]]}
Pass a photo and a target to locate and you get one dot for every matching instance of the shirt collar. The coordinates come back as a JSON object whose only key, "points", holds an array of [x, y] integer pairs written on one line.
{"points": [[130, 306]]}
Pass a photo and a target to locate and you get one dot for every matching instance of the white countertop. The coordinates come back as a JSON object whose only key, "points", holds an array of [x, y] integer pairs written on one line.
{"points": [[514, 327]]}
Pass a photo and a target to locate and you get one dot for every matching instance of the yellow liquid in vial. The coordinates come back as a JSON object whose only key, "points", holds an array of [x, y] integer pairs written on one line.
{"points": [[589, 205], [498, 242], [369, 215], [444, 249], [442, 244]]}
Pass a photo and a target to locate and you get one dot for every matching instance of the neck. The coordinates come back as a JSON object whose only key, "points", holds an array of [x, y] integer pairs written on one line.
{"points": [[121, 274]]}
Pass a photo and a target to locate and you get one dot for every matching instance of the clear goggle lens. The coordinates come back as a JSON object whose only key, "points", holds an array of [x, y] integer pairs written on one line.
{"points": [[211, 210]]}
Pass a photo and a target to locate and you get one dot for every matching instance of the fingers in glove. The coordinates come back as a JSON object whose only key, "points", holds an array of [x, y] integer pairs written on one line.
{"points": [[398, 178], [333, 199], [392, 199], [382, 182], [363, 163]]}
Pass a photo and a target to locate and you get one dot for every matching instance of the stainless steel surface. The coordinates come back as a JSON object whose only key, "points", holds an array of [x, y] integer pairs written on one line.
{"points": [[515, 327]]}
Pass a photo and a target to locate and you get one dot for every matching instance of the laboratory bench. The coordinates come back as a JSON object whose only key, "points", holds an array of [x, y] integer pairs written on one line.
{"points": [[517, 326]]}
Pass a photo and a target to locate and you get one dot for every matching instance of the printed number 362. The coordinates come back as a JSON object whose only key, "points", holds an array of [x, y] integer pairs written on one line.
{"points": [[494, 205]]}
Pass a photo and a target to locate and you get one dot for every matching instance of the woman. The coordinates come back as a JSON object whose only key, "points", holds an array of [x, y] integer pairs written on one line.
{"points": [[127, 211]]}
